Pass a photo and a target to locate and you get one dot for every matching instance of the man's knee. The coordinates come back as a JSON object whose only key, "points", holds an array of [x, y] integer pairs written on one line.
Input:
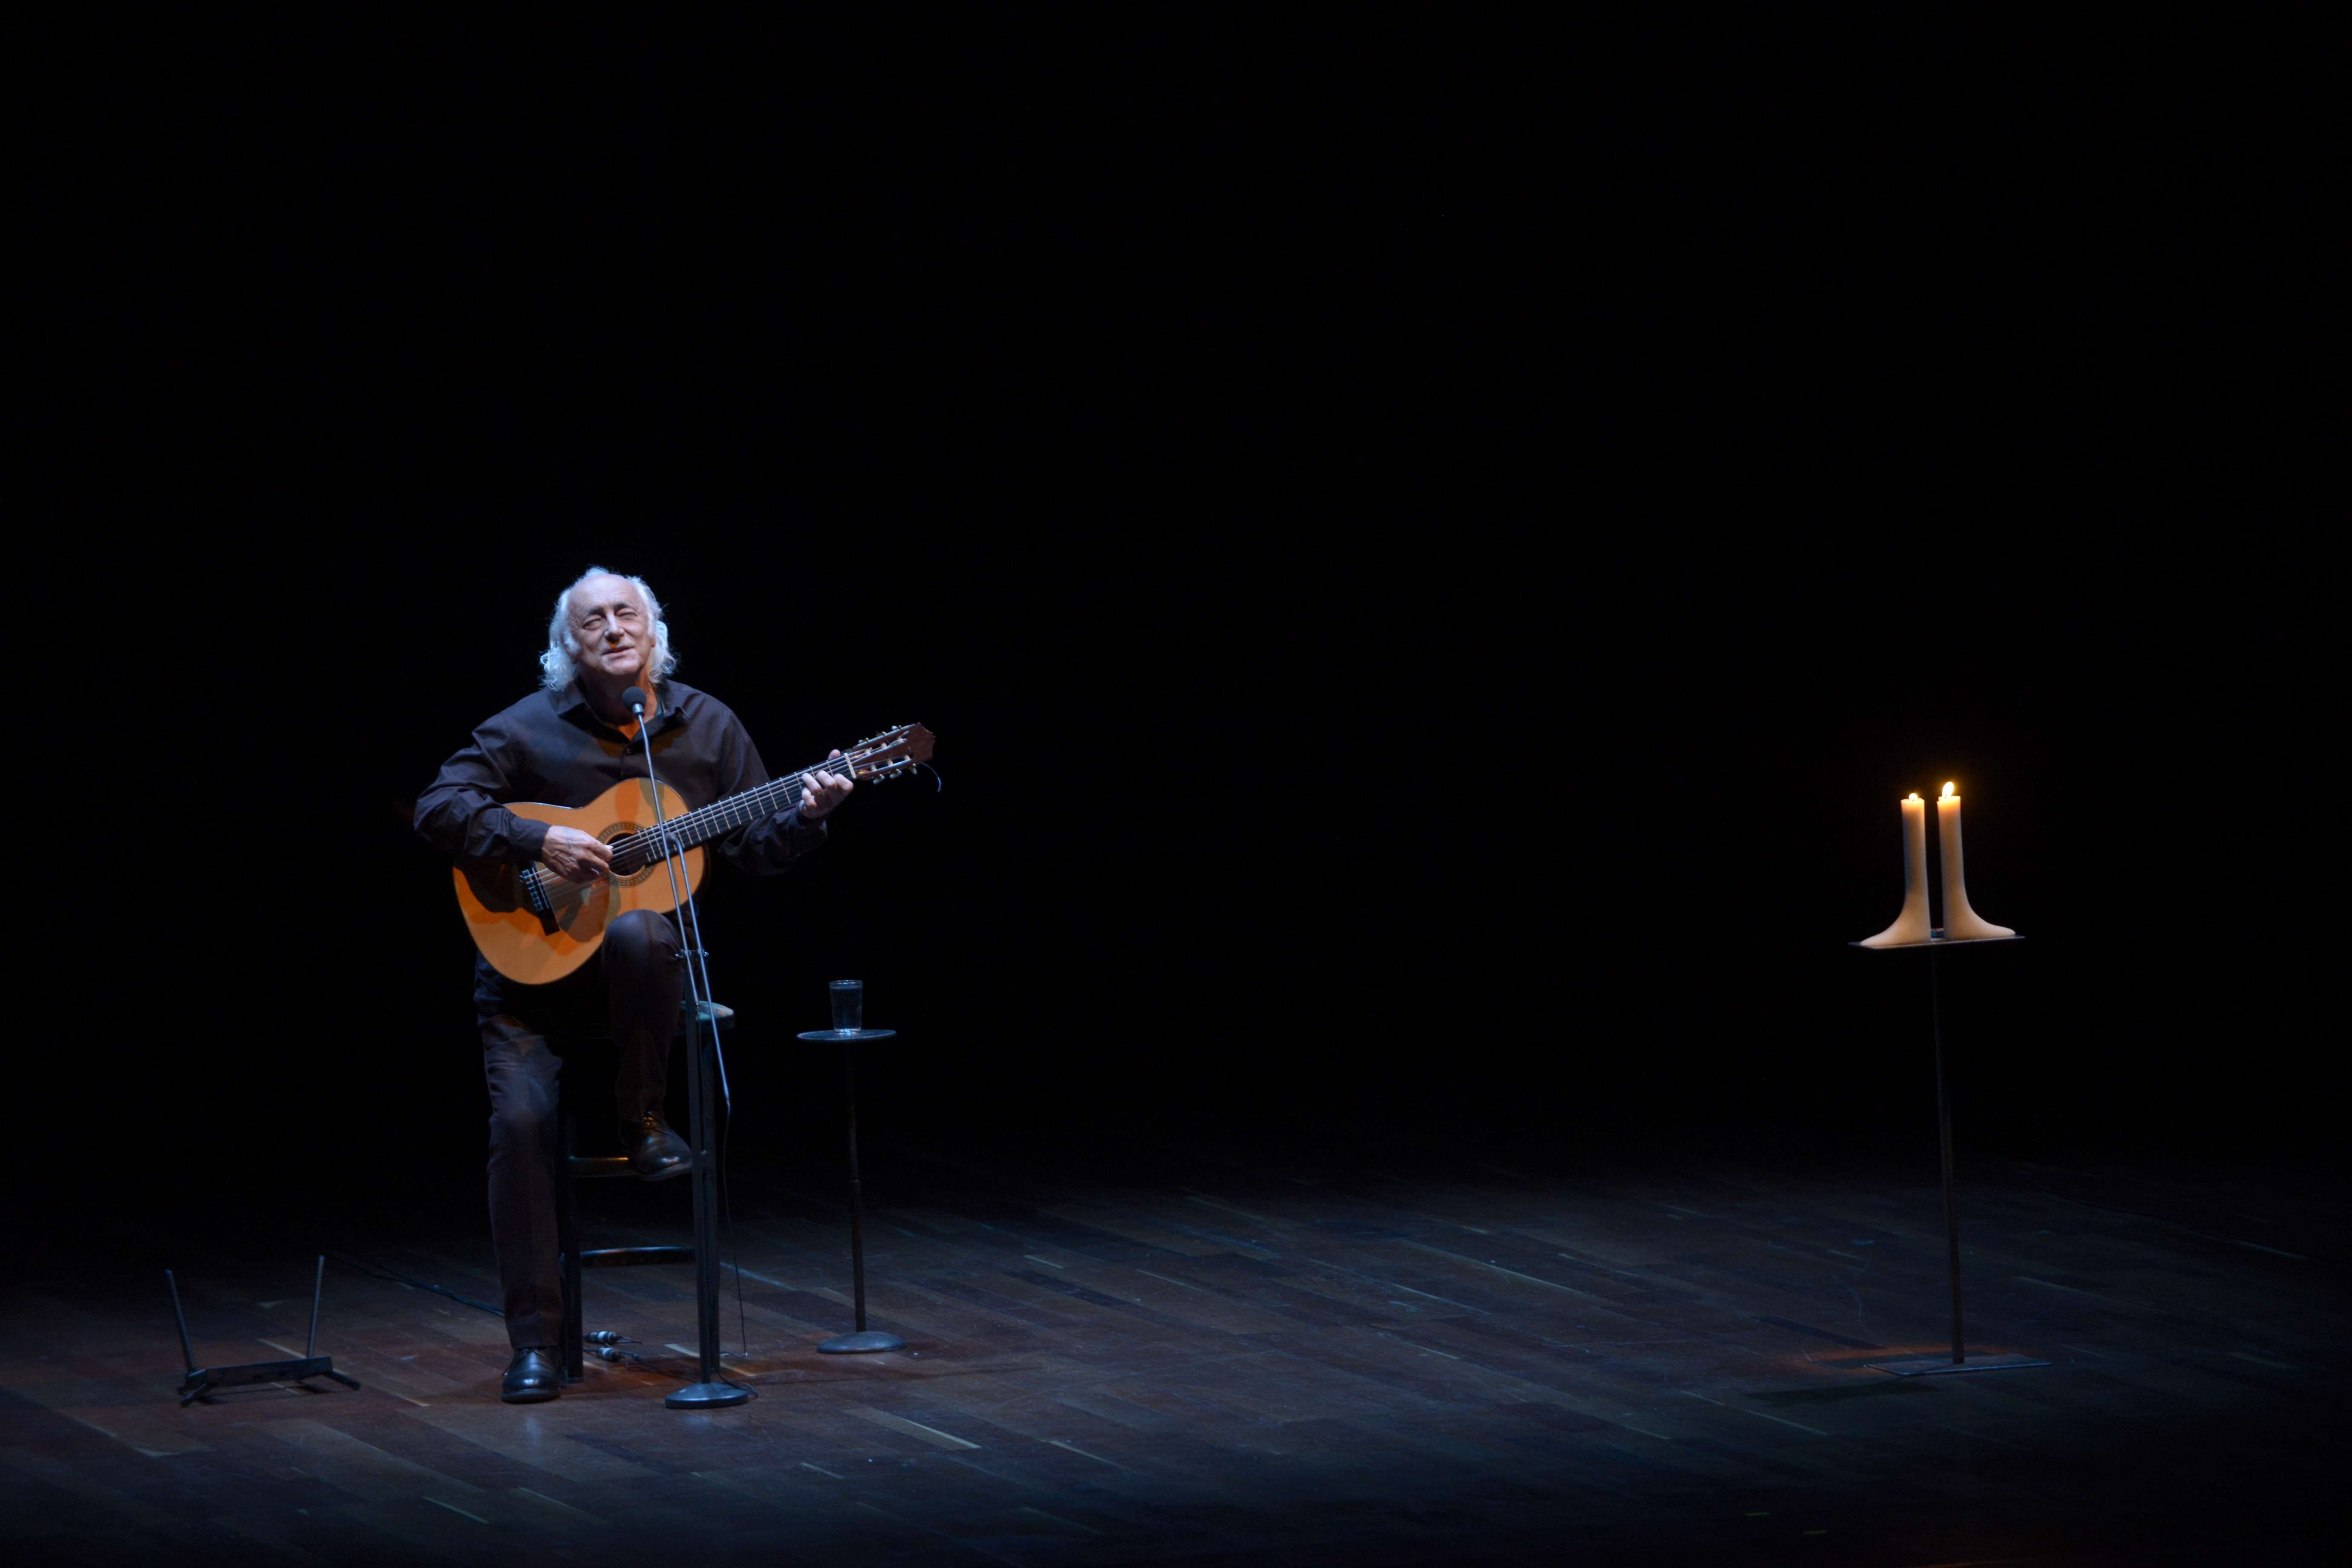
{"points": [[643, 931], [520, 1123], [641, 935], [522, 1074]]}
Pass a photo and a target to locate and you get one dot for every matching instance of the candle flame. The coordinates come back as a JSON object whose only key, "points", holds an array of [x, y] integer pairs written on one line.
{"points": [[1913, 796], [1947, 789]]}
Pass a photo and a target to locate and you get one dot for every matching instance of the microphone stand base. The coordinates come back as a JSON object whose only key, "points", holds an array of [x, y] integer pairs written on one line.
{"points": [[1937, 1366], [853, 1344], [707, 1396]]}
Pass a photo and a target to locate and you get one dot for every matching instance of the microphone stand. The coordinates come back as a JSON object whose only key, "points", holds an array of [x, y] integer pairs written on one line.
{"points": [[711, 1389]]}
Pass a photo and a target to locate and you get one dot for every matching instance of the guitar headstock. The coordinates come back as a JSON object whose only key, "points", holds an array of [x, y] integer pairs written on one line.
{"points": [[889, 754]]}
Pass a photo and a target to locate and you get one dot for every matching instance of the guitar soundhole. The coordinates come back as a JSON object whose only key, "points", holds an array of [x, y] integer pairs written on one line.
{"points": [[630, 878]]}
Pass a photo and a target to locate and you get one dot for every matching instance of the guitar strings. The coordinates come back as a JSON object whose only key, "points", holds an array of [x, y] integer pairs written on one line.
{"points": [[720, 811]]}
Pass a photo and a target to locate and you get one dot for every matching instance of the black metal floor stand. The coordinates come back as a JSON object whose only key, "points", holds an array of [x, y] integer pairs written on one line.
{"points": [[709, 1390], [1959, 1360], [863, 1338], [201, 1381]]}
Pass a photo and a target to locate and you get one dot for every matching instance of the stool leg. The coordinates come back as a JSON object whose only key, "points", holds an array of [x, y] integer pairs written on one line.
{"points": [[567, 1236]]}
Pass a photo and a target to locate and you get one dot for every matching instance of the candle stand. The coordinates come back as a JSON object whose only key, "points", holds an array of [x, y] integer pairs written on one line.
{"points": [[1926, 1366], [862, 1339]]}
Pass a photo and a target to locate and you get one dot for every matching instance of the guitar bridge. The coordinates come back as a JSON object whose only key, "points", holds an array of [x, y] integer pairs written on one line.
{"points": [[535, 898]]}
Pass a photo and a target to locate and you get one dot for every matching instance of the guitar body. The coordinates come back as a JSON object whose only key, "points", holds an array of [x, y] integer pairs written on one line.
{"points": [[524, 943]]}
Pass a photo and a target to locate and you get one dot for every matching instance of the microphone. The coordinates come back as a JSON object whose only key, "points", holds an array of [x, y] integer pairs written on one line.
{"points": [[633, 699]]}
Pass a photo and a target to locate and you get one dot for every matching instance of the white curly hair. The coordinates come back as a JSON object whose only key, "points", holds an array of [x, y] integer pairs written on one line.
{"points": [[555, 666]]}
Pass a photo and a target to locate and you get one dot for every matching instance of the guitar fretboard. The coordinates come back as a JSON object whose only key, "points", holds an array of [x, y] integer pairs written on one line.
{"points": [[723, 816]]}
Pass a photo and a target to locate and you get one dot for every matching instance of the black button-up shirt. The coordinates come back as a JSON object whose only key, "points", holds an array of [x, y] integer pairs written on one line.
{"points": [[550, 747]]}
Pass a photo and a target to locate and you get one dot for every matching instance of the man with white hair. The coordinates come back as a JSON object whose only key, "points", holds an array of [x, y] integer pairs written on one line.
{"points": [[565, 745]]}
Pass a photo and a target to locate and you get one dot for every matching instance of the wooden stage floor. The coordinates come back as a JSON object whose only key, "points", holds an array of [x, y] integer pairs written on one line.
{"points": [[1190, 1355]]}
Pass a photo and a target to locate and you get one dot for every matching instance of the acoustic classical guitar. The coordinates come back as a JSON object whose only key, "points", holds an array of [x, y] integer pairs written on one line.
{"points": [[535, 926]]}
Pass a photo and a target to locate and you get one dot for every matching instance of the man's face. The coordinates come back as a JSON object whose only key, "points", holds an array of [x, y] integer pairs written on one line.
{"points": [[609, 622]]}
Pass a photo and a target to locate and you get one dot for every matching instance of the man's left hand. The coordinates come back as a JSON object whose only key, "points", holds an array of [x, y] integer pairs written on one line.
{"points": [[823, 792]]}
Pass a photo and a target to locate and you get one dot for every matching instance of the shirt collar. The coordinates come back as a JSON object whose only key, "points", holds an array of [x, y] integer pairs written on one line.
{"points": [[570, 703]]}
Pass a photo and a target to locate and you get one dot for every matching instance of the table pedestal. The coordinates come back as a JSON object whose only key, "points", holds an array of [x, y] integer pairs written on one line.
{"points": [[1960, 1359], [864, 1338]]}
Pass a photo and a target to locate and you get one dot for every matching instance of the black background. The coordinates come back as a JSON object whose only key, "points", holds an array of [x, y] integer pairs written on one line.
{"points": [[1431, 556]]}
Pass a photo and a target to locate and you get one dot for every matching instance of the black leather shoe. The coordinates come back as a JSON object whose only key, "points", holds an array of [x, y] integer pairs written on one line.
{"points": [[532, 1376], [656, 1154]]}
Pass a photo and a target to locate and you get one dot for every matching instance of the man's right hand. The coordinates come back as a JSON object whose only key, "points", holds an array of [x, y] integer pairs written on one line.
{"points": [[574, 856]]}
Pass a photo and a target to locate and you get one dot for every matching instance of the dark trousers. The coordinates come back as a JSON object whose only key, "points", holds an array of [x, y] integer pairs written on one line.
{"points": [[630, 990]]}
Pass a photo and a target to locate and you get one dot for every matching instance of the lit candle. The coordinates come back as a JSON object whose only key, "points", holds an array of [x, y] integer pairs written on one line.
{"points": [[1911, 925], [1962, 923]]}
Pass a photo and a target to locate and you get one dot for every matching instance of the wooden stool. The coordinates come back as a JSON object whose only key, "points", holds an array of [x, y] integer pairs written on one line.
{"points": [[578, 1167]]}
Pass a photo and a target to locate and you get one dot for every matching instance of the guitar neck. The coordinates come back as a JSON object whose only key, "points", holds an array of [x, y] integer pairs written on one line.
{"points": [[882, 757], [724, 816]]}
